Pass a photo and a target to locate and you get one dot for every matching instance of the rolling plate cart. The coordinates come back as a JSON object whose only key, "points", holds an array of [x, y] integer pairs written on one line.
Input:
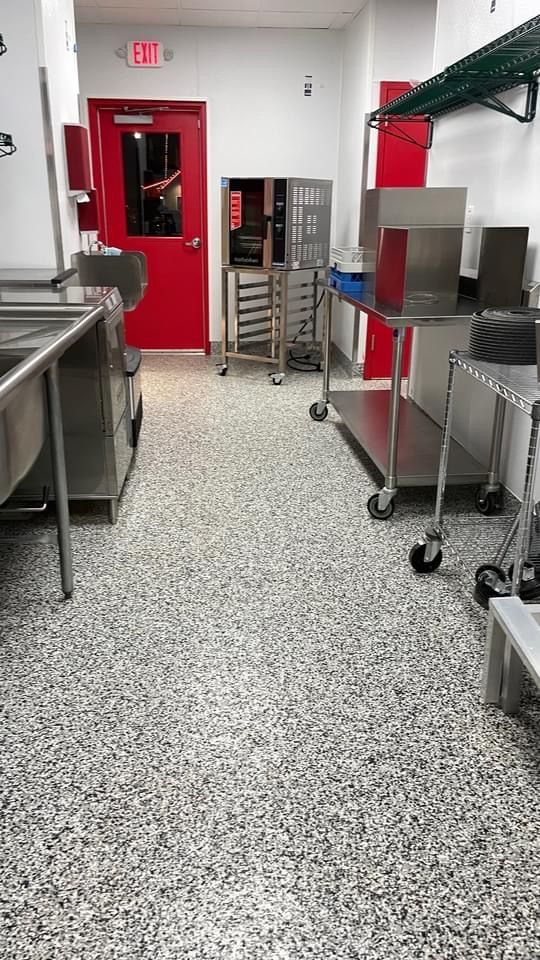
{"points": [[269, 310], [518, 386], [400, 439]]}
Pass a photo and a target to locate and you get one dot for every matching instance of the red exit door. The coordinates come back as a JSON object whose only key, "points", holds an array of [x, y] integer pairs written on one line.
{"points": [[399, 164], [149, 163]]}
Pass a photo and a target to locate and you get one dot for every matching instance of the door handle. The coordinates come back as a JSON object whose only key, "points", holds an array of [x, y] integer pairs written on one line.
{"points": [[195, 243]]}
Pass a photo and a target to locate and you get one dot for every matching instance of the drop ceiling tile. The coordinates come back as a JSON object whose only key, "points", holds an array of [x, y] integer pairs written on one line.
{"points": [[307, 6], [218, 18], [232, 6], [149, 6], [133, 15], [88, 15], [341, 20], [294, 20]]}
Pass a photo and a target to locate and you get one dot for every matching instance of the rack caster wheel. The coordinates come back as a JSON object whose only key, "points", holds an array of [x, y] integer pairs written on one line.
{"points": [[373, 508], [277, 378], [487, 503], [417, 559], [222, 372], [317, 414], [492, 568]]}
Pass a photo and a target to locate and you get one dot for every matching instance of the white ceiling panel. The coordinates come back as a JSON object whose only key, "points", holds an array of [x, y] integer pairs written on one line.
{"points": [[319, 21], [341, 20], [150, 6], [230, 5], [309, 6], [218, 18], [150, 18], [88, 15]]}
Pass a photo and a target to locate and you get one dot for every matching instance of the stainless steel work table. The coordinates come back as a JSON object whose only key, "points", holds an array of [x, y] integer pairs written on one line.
{"points": [[401, 440], [35, 340]]}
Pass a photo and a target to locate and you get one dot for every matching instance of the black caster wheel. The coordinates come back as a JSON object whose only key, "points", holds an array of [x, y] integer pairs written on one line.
{"points": [[317, 414], [222, 372], [489, 568], [373, 508], [277, 379], [487, 503], [417, 559]]}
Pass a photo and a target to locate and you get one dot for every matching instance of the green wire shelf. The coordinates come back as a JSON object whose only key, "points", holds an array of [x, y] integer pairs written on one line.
{"points": [[512, 60]]}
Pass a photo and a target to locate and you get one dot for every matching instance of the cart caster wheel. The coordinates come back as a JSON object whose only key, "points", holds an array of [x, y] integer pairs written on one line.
{"points": [[317, 414], [222, 372], [277, 378], [487, 503], [373, 508], [417, 559], [489, 568]]}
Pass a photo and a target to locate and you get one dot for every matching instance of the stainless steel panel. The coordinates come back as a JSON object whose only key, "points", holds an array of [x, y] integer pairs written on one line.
{"points": [[112, 369], [411, 206], [127, 272], [365, 413], [22, 430], [501, 265], [433, 262], [309, 208]]}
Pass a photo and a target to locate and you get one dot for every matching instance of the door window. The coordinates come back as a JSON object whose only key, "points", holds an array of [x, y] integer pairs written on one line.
{"points": [[152, 184]]}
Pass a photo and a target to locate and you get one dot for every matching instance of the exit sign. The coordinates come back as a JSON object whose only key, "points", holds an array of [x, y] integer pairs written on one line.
{"points": [[144, 53]]}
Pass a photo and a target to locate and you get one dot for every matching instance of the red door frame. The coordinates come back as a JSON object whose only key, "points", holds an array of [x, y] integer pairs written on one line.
{"points": [[377, 363], [192, 106]]}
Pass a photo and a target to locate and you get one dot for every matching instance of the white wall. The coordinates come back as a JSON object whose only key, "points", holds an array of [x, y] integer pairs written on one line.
{"points": [[355, 102], [26, 237], [35, 34], [388, 40], [59, 56], [497, 159], [259, 122]]}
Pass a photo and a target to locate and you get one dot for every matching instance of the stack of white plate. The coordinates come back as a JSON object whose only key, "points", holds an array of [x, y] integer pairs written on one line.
{"points": [[504, 335]]}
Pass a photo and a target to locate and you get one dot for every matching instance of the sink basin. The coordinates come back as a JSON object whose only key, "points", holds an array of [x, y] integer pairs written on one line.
{"points": [[22, 428]]}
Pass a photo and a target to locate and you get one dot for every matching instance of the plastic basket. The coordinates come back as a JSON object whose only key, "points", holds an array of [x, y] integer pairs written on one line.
{"points": [[352, 259], [352, 283]]}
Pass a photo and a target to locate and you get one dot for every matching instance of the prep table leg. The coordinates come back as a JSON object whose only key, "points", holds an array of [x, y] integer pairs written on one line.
{"points": [[113, 510], [319, 410], [493, 661], [54, 410], [283, 325], [389, 490], [487, 497], [512, 678], [224, 322], [425, 556], [528, 504]]}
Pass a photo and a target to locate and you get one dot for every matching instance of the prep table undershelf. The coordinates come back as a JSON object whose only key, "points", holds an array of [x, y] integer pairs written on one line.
{"points": [[365, 413]]}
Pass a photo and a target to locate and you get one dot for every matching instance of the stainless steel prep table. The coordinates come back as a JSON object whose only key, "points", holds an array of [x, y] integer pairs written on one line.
{"points": [[93, 384], [400, 439], [33, 348]]}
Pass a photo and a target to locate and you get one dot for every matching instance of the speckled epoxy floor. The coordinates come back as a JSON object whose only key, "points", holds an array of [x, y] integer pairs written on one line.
{"points": [[254, 734]]}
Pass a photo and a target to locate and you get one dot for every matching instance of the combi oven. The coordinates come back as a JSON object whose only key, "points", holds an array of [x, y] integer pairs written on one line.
{"points": [[276, 222]]}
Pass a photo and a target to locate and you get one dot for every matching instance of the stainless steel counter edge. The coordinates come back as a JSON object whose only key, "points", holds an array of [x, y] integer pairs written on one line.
{"points": [[42, 358], [420, 316]]}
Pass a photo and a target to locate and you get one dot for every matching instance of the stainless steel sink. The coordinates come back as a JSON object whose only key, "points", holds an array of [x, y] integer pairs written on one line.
{"points": [[22, 428]]}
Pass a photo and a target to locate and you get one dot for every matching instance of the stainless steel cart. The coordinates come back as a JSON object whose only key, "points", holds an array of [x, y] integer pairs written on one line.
{"points": [[269, 307], [400, 439], [518, 386]]}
